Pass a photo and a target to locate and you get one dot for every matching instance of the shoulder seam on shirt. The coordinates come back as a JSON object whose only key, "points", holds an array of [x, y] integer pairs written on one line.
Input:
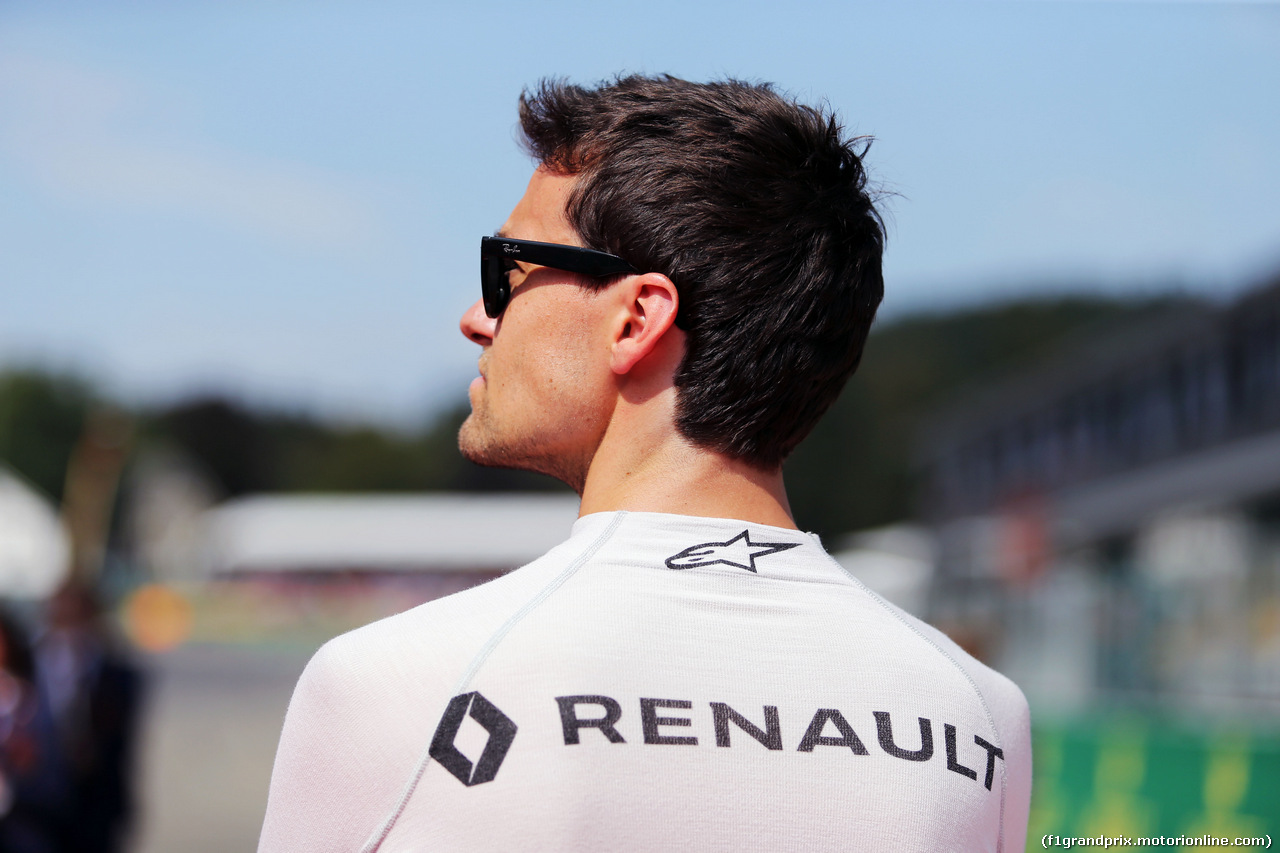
{"points": [[380, 834], [982, 700]]}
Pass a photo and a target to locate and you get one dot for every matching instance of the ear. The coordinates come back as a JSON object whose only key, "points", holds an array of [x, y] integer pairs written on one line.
{"points": [[647, 313]]}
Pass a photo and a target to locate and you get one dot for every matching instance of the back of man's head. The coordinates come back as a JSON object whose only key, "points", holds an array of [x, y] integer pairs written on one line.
{"points": [[756, 207]]}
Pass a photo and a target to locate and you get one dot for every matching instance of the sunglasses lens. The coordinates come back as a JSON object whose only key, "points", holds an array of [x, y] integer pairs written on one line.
{"points": [[494, 286]]}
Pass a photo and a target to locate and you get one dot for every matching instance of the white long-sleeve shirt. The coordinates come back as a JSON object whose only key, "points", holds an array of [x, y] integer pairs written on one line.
{"points": [[656, 682]]}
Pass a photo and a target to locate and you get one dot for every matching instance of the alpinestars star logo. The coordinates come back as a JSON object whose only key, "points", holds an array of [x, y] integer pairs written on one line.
{"points": [[739, 552], [501, 729]]}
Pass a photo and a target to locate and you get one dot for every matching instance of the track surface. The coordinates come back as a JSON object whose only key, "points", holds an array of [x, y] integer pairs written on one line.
{"points": [[208, 738]]}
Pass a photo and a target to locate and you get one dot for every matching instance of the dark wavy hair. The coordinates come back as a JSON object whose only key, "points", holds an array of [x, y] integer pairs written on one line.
{"points": [[757, 208]]}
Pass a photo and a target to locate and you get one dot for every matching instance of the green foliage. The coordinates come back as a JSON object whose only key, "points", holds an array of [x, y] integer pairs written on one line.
{"points": [[41, 419], [229, 441]]}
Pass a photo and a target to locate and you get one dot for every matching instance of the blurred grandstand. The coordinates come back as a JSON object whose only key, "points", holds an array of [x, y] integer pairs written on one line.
{"points": [[1107, 527]]}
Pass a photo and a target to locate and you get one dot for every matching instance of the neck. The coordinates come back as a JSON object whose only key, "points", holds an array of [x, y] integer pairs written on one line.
{"points": [[658, 470]]}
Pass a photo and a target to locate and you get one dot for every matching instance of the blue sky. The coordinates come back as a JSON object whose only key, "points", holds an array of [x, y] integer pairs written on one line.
{"points": [[281, 201]]}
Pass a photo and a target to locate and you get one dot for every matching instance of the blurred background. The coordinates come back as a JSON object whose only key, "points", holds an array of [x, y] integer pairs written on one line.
{"points": [[235, 241]]}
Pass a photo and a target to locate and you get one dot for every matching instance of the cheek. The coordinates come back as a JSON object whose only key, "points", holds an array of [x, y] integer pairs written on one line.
{"points": [[571, 366], [555, 353], [576, 365]]}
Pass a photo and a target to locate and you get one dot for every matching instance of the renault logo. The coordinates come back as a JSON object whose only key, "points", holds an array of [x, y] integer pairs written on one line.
{"points": [[501, 729]]}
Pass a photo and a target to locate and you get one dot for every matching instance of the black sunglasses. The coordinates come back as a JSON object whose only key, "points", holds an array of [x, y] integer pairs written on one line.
{"points": [[499, 254]]}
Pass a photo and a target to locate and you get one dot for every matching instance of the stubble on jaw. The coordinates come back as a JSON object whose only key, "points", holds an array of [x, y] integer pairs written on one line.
{"points": [[481, 443]]}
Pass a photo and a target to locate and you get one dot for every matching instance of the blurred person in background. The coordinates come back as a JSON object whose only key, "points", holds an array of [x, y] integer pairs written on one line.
{"points": [[94, 692], [679, 296], [35, 781]]}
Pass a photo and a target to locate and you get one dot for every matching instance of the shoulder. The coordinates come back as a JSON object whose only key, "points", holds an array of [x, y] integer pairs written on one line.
{"points": [[1009, 714], [1003, 700], [428, 644], [990, 693], [365, 707]]}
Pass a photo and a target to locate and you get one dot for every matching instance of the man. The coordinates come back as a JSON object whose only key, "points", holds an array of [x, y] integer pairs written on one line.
{"points": [[680, 294]]}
